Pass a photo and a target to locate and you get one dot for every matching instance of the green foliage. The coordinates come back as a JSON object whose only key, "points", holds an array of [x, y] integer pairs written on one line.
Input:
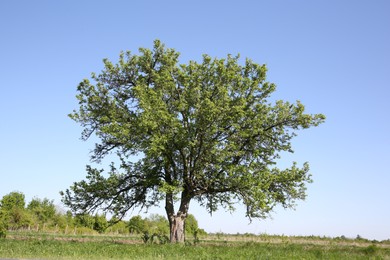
{"points": [[59, 221], [154, 238], [100, 224], [162, 238], [3, 229], [137, 225], [157, 224], [153, 226], [69, 218], [146, 237], [371, 250], [205, 131], [12, 211], [44, 210], [154, 229], [13, 200], [41, 215], [120, 227], [18, 218], [191, 225], [84, 220]]}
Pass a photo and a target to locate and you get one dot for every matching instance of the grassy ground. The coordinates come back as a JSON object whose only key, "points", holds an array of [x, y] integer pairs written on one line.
{"points": [[40, 246]]}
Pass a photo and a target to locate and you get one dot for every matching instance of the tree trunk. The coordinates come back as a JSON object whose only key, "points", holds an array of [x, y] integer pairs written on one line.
{"points": [[177, 221], [177, 230]]}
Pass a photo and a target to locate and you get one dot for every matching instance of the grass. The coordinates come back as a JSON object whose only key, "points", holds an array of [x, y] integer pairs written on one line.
{"points": [[107, 247]]}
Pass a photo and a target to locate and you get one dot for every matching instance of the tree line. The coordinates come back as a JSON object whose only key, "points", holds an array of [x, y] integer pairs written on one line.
{"points": [[43, 215]]}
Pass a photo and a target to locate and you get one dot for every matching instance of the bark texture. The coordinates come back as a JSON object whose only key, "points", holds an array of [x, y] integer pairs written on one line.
{"points": [[177, 230], [177, 221]]}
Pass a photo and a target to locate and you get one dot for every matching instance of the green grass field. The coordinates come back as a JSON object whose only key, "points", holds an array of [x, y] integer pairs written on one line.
{"points": [[46, 246]]}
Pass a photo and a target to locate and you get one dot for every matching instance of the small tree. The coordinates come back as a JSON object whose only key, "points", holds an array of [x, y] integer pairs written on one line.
{"points": [[101, 223], [84, 220], [13, 212], [137, 225], [13, 200], [203, 131], [117, 226], [44, 210], [3, 230], [157, 224]]}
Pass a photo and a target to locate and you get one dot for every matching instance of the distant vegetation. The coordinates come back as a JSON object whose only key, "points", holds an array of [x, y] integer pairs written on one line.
{"points": [[39, 230], [42, 215]]}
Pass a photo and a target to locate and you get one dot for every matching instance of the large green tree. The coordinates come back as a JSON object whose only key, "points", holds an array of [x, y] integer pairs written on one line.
{"points": [[203, 131]]}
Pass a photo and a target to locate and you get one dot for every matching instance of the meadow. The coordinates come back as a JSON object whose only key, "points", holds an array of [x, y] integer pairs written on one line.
{"points": [[37, 245]]}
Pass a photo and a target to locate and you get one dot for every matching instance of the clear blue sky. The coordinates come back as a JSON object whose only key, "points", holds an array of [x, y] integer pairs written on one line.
{"points": [[332, 55]]}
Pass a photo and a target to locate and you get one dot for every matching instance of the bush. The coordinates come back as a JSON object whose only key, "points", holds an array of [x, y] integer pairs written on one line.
{"points": [[118, 228], [137, 225], [100, 224], [155, 238], [3, 231], [370, 250], [146, 237], [157, 224]]}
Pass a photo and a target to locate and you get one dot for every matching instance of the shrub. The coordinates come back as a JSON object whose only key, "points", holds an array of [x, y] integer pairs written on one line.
{"points": [[3, 231], [146, 237], [370, 250]]}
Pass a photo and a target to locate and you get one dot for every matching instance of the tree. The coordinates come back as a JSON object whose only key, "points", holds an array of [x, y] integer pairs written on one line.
{"points": [[84, 220], [117, 226], [13, 200], [137, 225], [44, 210], [157, 224], [12, 211], [101, 223], [201, 131]]}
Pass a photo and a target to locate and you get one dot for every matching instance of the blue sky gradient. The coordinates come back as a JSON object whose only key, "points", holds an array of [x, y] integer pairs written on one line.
{"points": [[331, 55]]}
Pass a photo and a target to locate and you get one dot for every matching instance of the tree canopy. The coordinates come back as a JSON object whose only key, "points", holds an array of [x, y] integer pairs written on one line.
{"points": [[203, 131]]}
